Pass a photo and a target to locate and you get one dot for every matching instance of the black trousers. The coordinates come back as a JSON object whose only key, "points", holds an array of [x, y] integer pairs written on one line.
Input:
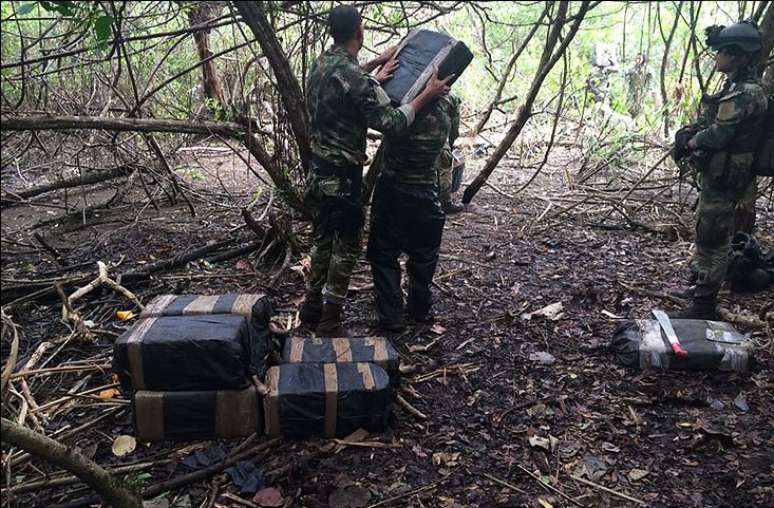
{"points": [[404, 219]]}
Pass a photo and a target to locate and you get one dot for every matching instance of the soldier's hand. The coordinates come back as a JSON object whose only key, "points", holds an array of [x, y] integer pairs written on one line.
{"points": [[387, 70], [435, 86]]}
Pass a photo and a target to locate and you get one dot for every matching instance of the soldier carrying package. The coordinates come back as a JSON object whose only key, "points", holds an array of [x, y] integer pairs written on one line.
{"points": [[721, 146]]}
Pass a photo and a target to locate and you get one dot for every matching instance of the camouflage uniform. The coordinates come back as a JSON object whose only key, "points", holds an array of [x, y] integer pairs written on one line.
{"points": [[343, 101], [727, 132], [444, 164], [406, 215]]}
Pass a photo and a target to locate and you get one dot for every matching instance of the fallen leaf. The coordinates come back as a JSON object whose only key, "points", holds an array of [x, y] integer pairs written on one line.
{"points": [[437, 329], [552, 312], [637, 474], [542, 358], [446, 459], [540, 442], [124, 445], [243, 264], [159, 502], [349, 497], [124, 315], [741, 403], [109, 393], [544, 503], [269, 497]]}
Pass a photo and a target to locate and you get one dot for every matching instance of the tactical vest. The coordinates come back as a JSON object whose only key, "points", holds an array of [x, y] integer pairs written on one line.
{"points": [[722, 166]]}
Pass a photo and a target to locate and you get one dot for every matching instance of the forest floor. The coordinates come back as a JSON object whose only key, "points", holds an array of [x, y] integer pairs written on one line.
{"points": [[664, 438]]}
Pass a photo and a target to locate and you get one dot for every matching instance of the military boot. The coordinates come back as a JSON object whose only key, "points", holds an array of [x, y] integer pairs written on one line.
{"points": [[685, 293], [311, 309], [700, 308], [330, 323], [450, 207]]}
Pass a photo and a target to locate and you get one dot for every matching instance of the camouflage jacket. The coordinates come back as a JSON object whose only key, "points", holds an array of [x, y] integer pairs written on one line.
{"points": [[412, 157], [343, 100], [728, 130]]}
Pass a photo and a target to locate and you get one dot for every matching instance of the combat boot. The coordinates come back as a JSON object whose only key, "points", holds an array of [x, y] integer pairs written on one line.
{"points": [[311, 309], [700, 308], [330, 323], [450, 207], [684, 293]]}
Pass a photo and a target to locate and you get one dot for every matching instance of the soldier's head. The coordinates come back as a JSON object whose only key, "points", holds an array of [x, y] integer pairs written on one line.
{"points": [[737, 46], [346, 26]]}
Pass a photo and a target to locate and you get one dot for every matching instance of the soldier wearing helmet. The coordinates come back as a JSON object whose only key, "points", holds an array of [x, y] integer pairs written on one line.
{"points": [[720, 147]]}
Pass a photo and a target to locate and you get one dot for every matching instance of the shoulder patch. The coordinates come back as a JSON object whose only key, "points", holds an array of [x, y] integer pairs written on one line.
{"points": [[726, 110]]}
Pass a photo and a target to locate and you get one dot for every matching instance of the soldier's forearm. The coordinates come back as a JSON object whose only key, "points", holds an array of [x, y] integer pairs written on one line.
{"points": [[714, 137]]}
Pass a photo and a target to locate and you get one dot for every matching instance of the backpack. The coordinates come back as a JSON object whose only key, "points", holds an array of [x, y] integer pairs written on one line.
{"points": [[763, 165]]}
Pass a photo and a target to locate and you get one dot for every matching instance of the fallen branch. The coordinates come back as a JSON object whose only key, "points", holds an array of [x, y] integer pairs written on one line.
{"points": [[416, 413], [10, 362], [110, 489], [609, 491]]}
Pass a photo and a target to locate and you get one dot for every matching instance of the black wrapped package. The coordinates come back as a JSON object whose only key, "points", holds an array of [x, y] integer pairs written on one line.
{"points": [[257, 308], [214, 352], [711, 346], [326, 399], [419, 53], [376, 350], [184, 416]]}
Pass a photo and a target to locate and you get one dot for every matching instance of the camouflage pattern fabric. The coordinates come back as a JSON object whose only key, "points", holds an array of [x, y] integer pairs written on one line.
{"points": [[411, 158], [727, 133], [444, 164], [343, 100]]}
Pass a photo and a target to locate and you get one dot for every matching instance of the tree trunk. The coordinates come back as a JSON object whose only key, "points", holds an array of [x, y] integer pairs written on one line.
{"points": [[111, 489], [254, 15], [547, 62], [767, 30], [200, 13]]}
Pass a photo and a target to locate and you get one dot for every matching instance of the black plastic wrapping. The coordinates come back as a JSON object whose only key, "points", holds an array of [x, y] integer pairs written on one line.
{"points": [[212, 352], [326, 399], [418, 54], [189, 415], [377, 350], [257, 308], [711, 346]]}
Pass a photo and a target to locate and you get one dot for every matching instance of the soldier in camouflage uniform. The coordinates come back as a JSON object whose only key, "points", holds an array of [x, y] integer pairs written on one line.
{"points": [[343, 100], [720, 146], [444, 165], [406, 215]]}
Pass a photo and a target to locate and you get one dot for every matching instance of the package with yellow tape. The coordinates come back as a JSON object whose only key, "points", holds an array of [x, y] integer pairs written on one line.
{"points": [[326, 399], [188, 415], [376, 350]]}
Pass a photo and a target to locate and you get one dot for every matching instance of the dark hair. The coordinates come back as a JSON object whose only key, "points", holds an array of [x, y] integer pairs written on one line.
{"points": [[343, 22]]}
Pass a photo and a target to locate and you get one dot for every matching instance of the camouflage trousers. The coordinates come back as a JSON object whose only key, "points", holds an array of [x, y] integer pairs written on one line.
{"points": [[715, 216], [336, 235], [444, 165]]}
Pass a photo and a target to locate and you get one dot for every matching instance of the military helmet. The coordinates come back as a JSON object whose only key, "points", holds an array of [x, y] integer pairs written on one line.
{"points": [[744, 35]]}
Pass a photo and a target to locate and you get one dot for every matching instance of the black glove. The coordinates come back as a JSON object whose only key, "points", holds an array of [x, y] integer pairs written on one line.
{"points": [[681, 149]]}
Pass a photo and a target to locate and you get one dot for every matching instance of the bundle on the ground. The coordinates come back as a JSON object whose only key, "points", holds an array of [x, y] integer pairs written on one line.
{"points": [[208, 352], [188, 415], [419, 54], [711, 346], [377, 350], [328, 399]]}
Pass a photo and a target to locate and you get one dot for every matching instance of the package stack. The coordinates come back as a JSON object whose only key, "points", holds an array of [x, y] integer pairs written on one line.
{"points": [[190, 362], [331, 386]]}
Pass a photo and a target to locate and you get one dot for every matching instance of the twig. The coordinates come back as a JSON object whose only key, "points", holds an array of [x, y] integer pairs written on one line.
{"points": [[550, 487], [505, 484], [412, 492], [416, 413], [609, 491]]}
